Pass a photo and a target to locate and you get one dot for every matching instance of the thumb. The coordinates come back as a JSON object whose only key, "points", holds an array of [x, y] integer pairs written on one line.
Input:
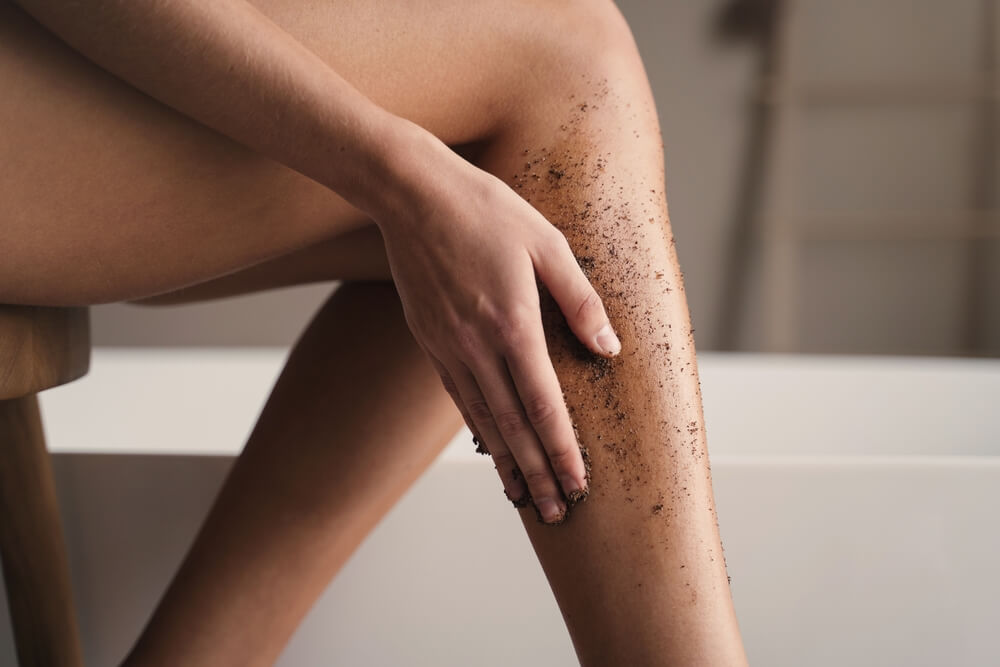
{"points": [[577, 298]]}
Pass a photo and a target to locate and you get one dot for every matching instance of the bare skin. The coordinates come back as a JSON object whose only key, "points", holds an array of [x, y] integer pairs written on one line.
{"points": [[578, 139], [236, 70]]}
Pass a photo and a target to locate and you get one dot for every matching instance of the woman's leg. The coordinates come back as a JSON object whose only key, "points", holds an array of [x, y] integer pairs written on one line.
{"points": [[358, 255], [110, 196], [646, 542], [357, 414], [638, 568]]}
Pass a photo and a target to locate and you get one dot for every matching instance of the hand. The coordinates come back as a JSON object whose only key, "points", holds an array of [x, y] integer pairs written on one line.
{"points": [[463, 256]]}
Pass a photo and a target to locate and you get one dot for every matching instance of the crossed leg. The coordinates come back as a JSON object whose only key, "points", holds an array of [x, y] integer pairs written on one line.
{"points": [[357, 414], [578, 138], [646, 542]]}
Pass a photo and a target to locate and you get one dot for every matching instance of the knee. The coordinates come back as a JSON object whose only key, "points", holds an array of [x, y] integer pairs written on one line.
{"points": [[585, 70], [581, 41]]}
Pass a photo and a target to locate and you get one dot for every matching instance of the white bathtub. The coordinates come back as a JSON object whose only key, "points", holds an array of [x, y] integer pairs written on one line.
{"points": [[857, 498]]}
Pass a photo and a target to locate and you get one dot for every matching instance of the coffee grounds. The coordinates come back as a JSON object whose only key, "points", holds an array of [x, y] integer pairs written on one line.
{"points": [[574, 497], [518, 502], [538, 515]]}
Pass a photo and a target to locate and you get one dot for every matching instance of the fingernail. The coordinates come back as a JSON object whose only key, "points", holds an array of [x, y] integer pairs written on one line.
{"points": [[608, 341], [574, 490], [569, 485], [550, 511]]}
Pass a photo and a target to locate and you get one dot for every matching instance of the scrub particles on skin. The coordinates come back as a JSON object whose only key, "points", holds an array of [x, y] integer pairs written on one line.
{"points": [[618, 228], [637, 415]]}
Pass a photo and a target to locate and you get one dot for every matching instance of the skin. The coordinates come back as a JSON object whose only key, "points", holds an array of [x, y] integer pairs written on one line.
{"points": [[553, 199], [477, 322]]}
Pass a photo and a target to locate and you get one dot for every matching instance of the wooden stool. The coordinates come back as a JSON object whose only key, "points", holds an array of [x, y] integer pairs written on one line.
{"points": [[40, 347]]}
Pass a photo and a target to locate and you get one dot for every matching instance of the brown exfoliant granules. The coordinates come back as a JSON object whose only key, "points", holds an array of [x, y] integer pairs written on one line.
{"points": [[573, 498], [560, 520], [573, 183], [480, 447], [613, 214], [518, 502]]}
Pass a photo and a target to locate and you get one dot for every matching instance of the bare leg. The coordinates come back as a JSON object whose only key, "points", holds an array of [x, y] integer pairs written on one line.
{"points": [[168, 190], [646, 542], [638, 568], [356, 416], [109, 195]]}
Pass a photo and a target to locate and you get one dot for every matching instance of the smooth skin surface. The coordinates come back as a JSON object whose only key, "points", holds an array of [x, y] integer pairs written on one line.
{"points": [[232, 68], [114, 195]]}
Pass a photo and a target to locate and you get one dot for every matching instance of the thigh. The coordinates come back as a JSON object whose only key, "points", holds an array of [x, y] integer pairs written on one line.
{"points": [[358, 255], [109, 195]]}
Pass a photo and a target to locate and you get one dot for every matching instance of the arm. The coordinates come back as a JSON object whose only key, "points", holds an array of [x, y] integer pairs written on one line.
{"points": [[462, 246], [227, 65]]}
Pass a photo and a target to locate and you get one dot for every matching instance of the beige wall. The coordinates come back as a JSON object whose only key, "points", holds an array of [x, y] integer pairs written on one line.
{"points": [[885, 296]]}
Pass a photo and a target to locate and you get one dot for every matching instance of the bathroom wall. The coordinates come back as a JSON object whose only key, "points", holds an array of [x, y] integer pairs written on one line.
{"points": [[875, 296]]}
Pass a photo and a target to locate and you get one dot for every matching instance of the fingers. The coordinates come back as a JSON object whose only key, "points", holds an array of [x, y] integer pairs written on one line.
{"points": [[465, 392], [452, 389], [456, 397], [520, 438], [578, 300], [540, 395]]}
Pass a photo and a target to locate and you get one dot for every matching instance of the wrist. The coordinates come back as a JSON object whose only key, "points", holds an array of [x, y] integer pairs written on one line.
{"points": [[404, 158]]}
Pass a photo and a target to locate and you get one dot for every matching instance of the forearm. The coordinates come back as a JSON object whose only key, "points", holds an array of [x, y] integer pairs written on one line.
{"points": [[227, 65]]}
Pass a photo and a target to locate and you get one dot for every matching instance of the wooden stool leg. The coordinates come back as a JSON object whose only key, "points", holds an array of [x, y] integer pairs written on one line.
{"points": [[32, 547]]}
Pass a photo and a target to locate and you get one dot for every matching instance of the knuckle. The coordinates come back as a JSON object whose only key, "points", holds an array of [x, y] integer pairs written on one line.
{"points": [[449, 385], [556, 243], [512, 328], [590, 306], [504, 460], [539, 410], [511, 423], [537, 478], [563, 457], [479, 410], [491, 189], [466, 342]]}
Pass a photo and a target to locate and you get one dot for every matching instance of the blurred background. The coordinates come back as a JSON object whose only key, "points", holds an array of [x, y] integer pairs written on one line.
{"points": [[832, 178]]}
